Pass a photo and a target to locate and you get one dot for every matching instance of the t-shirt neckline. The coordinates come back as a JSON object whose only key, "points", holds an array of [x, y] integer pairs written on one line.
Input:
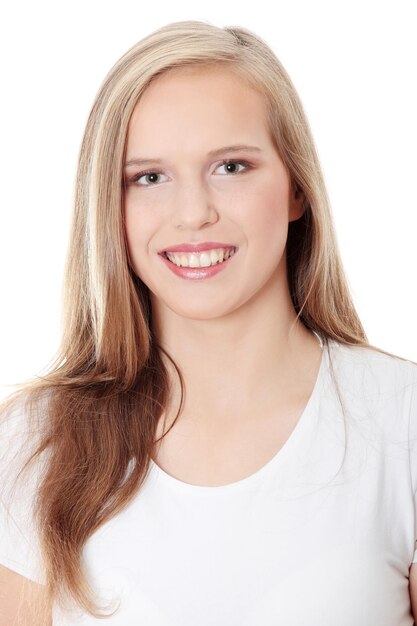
{"points": [[271, 465]]}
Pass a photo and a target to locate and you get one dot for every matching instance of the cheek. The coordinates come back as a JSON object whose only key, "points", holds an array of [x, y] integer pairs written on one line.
{"points": [[264, 214], [137, 235], [130, 230]]}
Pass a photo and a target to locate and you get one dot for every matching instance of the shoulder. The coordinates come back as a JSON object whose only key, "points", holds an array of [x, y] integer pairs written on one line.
{"points": [[20, 479], [376, 390], [369, 369], [23, 415], [20, 435]]}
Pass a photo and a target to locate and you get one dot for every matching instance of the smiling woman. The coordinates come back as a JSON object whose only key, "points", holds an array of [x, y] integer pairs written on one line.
{"points": [[217, 442], [248, 209]]}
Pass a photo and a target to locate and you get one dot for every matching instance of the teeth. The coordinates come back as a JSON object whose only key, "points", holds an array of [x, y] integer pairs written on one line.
{"points": [[200, 259]]}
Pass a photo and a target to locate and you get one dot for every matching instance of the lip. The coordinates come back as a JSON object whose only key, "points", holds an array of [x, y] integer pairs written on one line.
{"points": [[197, 247], [197, 273]]}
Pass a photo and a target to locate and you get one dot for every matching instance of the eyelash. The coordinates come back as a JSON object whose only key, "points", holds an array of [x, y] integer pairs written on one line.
{"points": [[136, 177]]}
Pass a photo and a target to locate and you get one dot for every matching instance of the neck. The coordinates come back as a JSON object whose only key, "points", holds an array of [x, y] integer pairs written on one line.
{"points": [[233, 364]]}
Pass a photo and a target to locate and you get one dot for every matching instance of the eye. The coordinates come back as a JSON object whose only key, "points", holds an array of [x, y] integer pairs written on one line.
{"points": [[153, 174], [232, 162], [150, 173]]}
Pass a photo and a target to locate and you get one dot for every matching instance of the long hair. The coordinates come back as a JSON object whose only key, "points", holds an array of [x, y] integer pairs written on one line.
{"points": [[96, 410]]}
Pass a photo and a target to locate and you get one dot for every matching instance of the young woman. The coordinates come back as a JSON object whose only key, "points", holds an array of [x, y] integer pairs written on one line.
{"points": [[217, 442]]}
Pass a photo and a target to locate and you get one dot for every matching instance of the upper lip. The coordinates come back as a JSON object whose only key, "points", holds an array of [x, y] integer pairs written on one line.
{"points": [[197, 247]]}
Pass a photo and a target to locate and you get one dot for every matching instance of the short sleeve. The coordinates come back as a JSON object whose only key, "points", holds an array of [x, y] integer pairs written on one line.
{"points": [[19, 544], [412, 435]]}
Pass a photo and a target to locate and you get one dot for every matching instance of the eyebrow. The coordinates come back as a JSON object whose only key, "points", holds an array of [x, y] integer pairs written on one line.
{"points": [[212, 153]]}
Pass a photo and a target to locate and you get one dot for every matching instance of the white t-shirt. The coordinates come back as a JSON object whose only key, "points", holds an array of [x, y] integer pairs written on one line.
{"points": [[296, 543]]}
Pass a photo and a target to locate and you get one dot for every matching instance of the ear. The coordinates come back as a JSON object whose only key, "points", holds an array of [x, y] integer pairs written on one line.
{"points": [[297, 203]]}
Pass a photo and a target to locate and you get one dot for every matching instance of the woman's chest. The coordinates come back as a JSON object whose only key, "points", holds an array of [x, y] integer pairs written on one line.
{"points": [[223, 454], [308, 555], [322, 538]]}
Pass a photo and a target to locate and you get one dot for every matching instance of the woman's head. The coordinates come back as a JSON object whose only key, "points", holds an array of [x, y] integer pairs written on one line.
{"points": [[185, 119], [112, 297]]}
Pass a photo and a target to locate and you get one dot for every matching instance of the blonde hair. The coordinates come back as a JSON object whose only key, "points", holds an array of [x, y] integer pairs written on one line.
{"points": [[97, 408]]}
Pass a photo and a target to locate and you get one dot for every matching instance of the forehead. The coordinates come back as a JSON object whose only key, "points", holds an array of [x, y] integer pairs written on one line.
{"points": [[190, 105], [211, 77]]}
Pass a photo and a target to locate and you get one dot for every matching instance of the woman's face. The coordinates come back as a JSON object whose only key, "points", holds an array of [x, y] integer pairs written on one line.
{"points": [[191, 197]]}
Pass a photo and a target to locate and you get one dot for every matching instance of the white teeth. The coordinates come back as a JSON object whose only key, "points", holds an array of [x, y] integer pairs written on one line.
{"points": [[200, 259]]}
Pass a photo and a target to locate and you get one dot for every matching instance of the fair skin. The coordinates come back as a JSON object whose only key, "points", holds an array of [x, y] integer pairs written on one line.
{"points": [[249, 369], [249, 366], [22, 601]]}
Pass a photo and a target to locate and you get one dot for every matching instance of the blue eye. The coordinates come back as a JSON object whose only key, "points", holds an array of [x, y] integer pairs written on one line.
{"points": [[232, 162], [135, 179]]}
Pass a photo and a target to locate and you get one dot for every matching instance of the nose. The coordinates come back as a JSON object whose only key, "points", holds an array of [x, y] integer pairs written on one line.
{"points": [[194, 208]]}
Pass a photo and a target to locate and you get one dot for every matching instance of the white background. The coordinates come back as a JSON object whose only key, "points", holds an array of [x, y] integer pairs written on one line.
{"points": [[354, 67]]}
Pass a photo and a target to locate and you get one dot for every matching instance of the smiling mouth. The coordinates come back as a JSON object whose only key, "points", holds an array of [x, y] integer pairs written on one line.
{"points": [[207, 258]]}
